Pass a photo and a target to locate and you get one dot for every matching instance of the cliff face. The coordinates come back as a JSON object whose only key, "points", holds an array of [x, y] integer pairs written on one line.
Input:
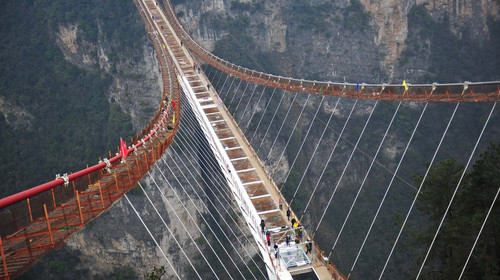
{"points": [[335, 40], [133, 76]]}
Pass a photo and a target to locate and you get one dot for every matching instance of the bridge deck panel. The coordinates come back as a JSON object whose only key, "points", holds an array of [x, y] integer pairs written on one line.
{"points": [[230, 143], [250, 176], [264, 204], [256, 189], [242, 164]]}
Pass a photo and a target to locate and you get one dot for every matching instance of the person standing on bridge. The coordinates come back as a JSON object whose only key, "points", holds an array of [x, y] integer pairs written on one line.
{"points": [[280, 202], [268, 238], [308, 246], [288, 214], [262, 226]]}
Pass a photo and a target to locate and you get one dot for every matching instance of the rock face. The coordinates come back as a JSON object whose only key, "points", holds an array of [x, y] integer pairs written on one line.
{"points": [[333, 40], [131, 76]]}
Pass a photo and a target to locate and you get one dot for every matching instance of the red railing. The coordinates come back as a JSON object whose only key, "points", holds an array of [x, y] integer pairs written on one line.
{"points": [[34, 221]]}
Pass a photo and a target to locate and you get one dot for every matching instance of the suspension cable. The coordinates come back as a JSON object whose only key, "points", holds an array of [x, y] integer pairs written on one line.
{"points": [[254, 109], [218, 182], [456, 189], [263, 114], [241, 98], [479, 234], [200, 212], [228, 91], [305, 138], [366, 175], [235, 93], [345, 167], [291, 134], [272, 120], [175, 238], [227, 224], [388, 188], [282, 124], [220, 78], [314, 153], [151, 235], [190, 216], [418, 191], [201, 146], [222, 88]]}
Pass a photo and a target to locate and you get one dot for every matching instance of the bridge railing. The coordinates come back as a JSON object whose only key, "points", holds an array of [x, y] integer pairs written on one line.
{"points": [[451, 92]]}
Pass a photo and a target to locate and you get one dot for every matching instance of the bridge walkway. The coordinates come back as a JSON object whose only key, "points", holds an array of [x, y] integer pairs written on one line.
{"points": [[261, 189]]}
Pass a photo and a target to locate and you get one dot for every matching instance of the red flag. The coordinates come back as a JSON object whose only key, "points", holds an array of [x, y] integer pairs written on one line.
{"points": [[123, 148]]}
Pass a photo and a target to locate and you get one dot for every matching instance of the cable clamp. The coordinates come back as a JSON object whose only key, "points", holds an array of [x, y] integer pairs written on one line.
{"points": [[66, 179], [466, 86], [434, 87], [108, 165]]}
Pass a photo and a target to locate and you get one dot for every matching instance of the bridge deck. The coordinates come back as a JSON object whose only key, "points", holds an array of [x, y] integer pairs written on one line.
{"points": [[262, 191]]}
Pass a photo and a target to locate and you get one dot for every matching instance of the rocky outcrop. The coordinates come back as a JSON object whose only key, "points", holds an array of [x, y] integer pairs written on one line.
{"points": [[132, 76], [15, 116]]}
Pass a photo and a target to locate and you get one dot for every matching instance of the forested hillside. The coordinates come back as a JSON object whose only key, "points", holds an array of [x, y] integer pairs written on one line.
{"points": [[57, 114]]}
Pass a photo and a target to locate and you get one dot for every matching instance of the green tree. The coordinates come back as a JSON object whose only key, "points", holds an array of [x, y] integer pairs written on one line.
{"points": [[464, 218]]}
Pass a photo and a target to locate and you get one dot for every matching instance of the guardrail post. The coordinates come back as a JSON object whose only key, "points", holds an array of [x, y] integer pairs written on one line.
{"points": [[4, 261], [79, 208], [53, 198], [116, 184], [100, 192], [48, 225], [29, 209]]}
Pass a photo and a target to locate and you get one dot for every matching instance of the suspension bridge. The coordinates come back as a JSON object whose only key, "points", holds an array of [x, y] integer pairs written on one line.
{"points": [[203, 101]]}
